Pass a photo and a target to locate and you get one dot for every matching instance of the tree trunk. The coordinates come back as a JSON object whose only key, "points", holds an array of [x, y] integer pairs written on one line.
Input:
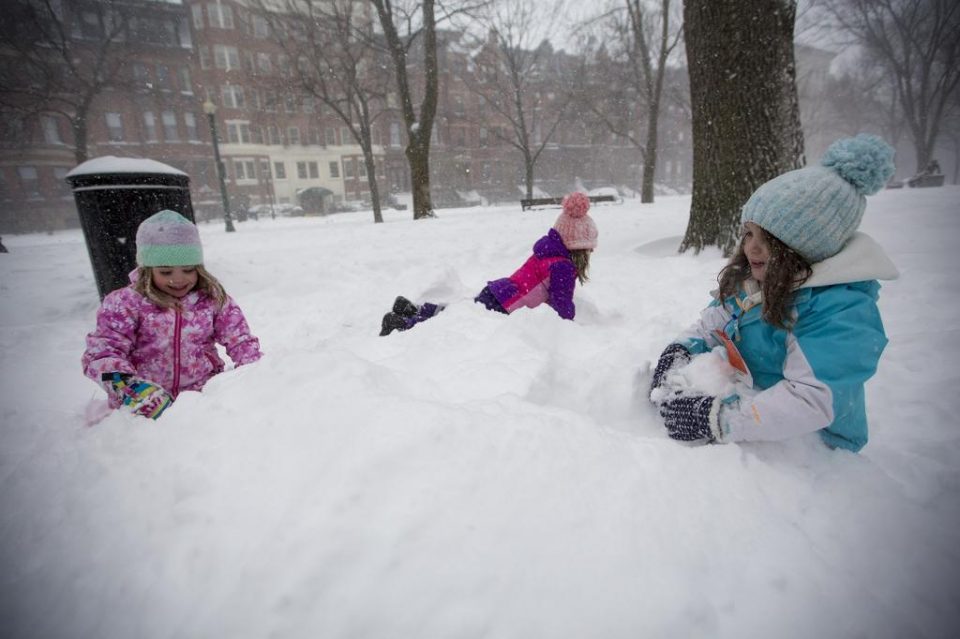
{"points": [[418, 157], [650, 155], [79, 125], [746, 116], [528, 166]]}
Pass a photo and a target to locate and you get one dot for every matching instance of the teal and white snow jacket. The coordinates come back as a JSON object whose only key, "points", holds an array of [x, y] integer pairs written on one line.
{"points": [[811, 377]]}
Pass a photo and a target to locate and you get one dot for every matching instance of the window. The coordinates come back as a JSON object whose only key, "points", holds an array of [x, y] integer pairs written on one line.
{"points": [[394, 134], [280, 170], [190, 124], [263, 62], [293, 135], [233, 96], [345, 136], [302, 170], [265, 169], [204, 57], [348, 167], [238, 132], [114, 127], [149, 126], [260, 28], [170, 133], [361, 168], [141, 75], [164, 78], [273, 135], [314, 171], [244, 170], [51, 130], [60, 180], [315, 136], [226, 57], [309, 104], [186, 86], [331, 136], [28, 180], [269, 100], [334, 170], [483, 136], [283, 63], [221, 16], [197, 10], [290, 103], [256, 135]]}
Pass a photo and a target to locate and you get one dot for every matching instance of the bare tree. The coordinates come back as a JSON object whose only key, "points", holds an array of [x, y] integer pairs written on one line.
{"points": [[336, 65], [746, 118], [51, 61], [517, 78], [918, 42], [641, 42], [403, 25]]}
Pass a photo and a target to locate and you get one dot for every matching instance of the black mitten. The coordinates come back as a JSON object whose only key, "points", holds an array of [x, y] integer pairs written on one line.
{"points": [[673, 356], [691, 418]]}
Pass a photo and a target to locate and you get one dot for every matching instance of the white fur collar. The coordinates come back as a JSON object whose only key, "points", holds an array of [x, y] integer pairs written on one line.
{"points": [[860, 259]]}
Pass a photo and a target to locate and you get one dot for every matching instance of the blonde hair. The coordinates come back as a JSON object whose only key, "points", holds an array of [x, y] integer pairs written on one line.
{"points": [[581, 260], [206, 283]]}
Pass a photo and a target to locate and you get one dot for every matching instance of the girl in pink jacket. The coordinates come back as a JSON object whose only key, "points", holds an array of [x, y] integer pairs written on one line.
{"points": [[158, 336], [560, 258]]}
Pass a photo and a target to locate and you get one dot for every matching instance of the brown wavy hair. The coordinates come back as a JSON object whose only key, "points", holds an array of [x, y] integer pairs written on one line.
{"points": [[581, 260], [206, 283], [786, 270]]}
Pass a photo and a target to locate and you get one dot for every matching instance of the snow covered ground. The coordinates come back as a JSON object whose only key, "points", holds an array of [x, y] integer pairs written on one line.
{"points": [[481, 475]]}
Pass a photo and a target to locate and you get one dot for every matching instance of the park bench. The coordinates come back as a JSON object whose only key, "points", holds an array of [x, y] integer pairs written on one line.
{"points": [[537, 202]]}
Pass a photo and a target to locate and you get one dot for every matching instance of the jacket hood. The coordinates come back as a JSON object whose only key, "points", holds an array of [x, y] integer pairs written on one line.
{"points": [[860, 259], [550, 245]]}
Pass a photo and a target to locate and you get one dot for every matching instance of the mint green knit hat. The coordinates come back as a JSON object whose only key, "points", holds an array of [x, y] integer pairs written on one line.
{"points": [[168, 239], [815, 210]]}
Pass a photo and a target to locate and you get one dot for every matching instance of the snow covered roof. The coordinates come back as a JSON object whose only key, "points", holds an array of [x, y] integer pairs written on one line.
{"points": [[110, 164]]}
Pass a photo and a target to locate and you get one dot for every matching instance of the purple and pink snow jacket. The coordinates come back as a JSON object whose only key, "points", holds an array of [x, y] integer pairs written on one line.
{"points": [[547, 276], [173, 347]]}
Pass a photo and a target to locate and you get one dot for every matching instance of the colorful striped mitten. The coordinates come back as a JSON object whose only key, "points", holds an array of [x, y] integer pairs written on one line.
{"points": [[138, 395]]}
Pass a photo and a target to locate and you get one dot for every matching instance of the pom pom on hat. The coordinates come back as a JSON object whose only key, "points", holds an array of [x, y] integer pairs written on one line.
{"points": [[576, 228], [168, 239], [815, 210]]}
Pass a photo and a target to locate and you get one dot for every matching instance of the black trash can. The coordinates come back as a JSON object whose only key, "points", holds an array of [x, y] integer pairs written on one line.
{"points": [[113, 196]]}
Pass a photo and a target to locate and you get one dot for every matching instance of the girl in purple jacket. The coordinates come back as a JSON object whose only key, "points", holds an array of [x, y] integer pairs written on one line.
{"points": [[158, 336], [560, 258]]}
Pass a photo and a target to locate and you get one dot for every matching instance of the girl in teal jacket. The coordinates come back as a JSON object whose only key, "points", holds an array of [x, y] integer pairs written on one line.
{"points": [[796, 311]]}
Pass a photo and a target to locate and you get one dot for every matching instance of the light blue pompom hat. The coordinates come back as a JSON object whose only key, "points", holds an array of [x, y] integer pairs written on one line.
{"points": [[168, 239], [816, 209]]}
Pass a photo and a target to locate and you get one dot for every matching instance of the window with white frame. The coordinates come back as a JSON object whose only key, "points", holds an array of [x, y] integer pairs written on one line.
{"points": [[150, 127], [345, 136], [186, 86], [265, 169], [263, 62], [280, 170], [170, 133], [302, 170], [51, 129], [256, 135], [260, 27], [331, 136], [394, 134], [293, 135], [244, 169], [197, 11], [233, 96], [226, 57], [273, 134], [314, 170], [190, 124], [238, 132], [29, 181], [114, 127], [334, 169], [221, 15], [348, 167]]}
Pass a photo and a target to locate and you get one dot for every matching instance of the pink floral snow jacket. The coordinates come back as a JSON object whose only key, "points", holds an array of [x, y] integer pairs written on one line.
{"points": [[175, 348]]}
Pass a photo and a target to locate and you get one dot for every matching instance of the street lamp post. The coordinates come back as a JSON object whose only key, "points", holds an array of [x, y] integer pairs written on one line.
{"points": [[211, 109]]}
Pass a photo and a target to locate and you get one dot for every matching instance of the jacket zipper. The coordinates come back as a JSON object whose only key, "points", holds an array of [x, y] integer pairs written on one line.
{"points": [[176, 353]]}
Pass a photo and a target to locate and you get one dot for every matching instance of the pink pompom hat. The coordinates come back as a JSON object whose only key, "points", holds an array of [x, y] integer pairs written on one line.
{"points": [[576, 228]]}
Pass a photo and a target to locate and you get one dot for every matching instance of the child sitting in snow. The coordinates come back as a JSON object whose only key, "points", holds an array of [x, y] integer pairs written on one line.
{"points": [[158, 336], [560, 258], [796, 311]]}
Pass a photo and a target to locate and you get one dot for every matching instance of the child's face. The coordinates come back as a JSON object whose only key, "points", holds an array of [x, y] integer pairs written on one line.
{"points": [[756, 249], [175, 281]]}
